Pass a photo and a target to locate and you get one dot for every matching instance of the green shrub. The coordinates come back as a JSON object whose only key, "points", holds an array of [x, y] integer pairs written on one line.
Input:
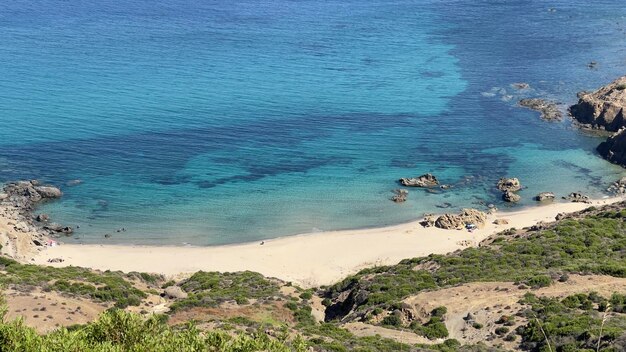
{"points": [[392, 320], [306, 295]]}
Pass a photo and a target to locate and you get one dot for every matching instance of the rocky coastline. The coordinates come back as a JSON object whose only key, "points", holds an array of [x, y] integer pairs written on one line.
{"points": [[23, 232], [605, 110]]}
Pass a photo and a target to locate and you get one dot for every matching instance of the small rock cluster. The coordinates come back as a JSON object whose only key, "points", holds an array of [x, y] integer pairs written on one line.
{"points": [[426, 180], [618, 187], [576, 197], [508, 187]]}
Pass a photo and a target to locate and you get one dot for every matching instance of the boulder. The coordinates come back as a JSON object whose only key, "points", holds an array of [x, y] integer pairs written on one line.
{"points": [[545, 196], [426, 180], [459, 221], [509, 184], [49, 192], [614, 148], [174, 292], [510, 197], [501, 222], [42, 217], [400, 195], [548, 109], [604, 108]]}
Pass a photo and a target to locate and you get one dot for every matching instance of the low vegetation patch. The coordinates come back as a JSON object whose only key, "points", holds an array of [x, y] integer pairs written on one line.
{"points": [[209, 289], [102, 286]]}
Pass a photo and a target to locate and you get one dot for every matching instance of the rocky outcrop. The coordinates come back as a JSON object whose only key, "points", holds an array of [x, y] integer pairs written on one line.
{"points": [[603, 109], [614, 148], [459, 221], [400, 195], [548, 109], [545, 196], [511, 197], [509, 184], [426, 180], [25, 236], [24, 194]]}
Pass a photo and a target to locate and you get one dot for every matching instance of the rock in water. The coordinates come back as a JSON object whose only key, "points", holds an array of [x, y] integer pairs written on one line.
{"points": [[545, 196], [520, 85], [510, 197], [400, 195], [426, 180], [509, 184], [459, 221], [548, 109], [49, 192], [603, 109], [614, 148]]}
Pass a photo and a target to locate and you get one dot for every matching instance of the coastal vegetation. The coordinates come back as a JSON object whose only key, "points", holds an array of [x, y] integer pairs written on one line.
{"points": [[245, 311]]}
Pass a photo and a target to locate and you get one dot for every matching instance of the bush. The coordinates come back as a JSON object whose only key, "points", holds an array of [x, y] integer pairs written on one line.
{"points": [[392, 320], [503, 330], [306, 295]]}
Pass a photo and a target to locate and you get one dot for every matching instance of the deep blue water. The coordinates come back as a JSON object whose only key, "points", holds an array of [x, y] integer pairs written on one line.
{"points": [[211, 122]]}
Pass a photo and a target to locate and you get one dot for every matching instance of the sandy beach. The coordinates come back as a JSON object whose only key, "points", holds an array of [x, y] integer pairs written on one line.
{"points": [[307, 260]]}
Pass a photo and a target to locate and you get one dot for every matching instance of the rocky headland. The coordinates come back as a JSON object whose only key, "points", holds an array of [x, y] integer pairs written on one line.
{"points": [[602, 109], [22, 232], [605, 109]]}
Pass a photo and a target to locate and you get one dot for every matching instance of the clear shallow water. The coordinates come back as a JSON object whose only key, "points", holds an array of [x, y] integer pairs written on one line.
{"points": [[211, 122]]}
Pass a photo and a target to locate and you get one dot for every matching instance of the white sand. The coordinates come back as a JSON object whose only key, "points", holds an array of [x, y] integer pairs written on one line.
{"points": [[308, 260]]}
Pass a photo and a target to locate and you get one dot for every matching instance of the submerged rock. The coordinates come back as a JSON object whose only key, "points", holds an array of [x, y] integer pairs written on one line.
{"points": [[509, 184], [545, 196], [400, 195], [548, 109], [604, 108], [511, 197], [426, 180], [459, 221], [520, 85]]}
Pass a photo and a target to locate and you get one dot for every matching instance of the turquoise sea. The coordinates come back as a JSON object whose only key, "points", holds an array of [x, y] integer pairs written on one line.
{"points": [[212, 122]]}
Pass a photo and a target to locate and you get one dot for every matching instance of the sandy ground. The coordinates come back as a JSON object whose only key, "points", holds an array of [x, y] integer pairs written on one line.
{"points": [[488, 301], [307, 260], [46, 311]]}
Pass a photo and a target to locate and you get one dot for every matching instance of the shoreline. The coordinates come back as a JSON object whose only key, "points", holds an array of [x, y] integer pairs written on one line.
{"points": [[308, 260]]}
